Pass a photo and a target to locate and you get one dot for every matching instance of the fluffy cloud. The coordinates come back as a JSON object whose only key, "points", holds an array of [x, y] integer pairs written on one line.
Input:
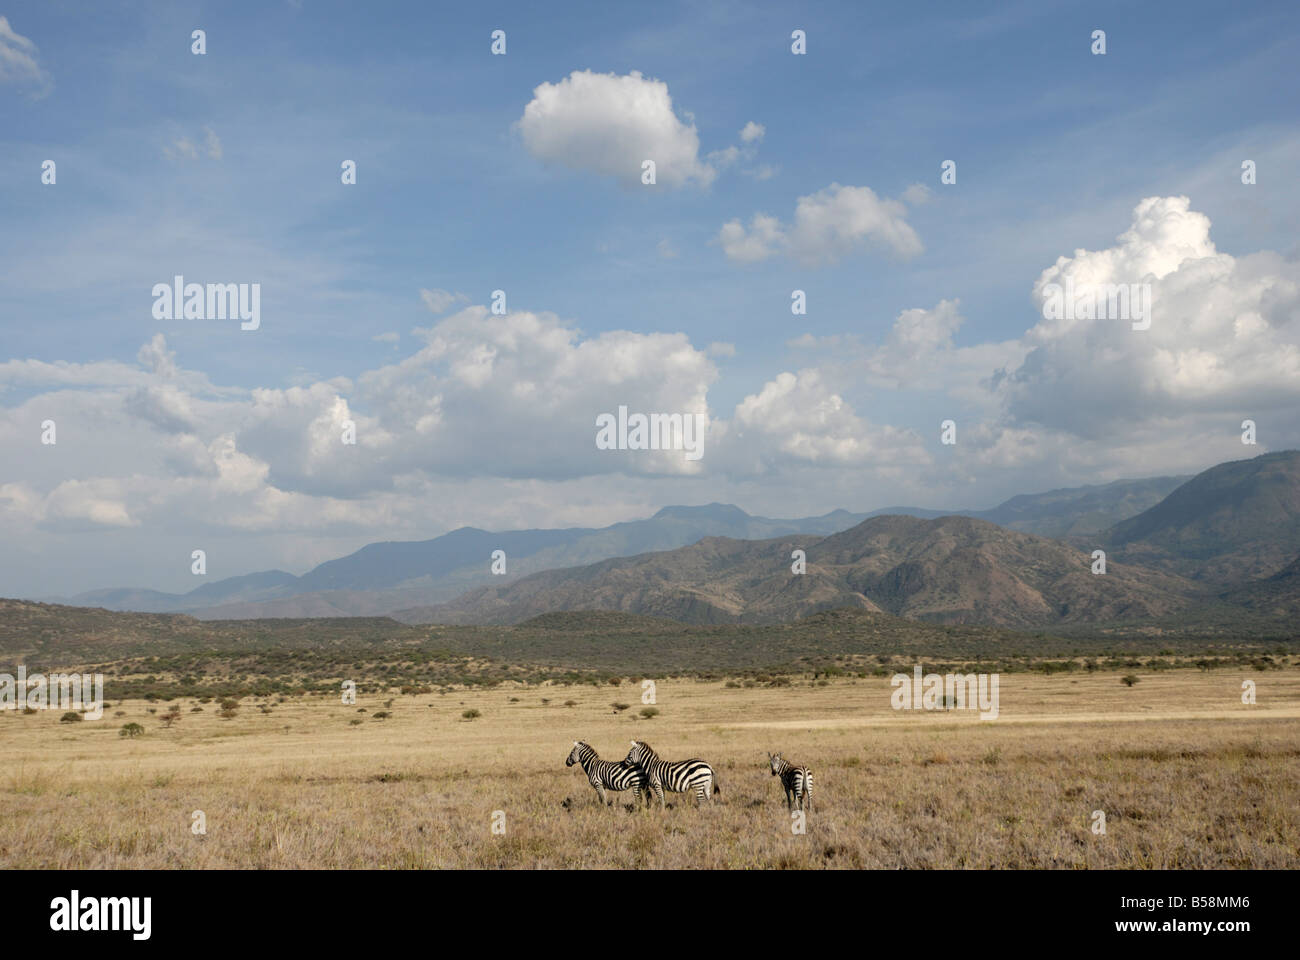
{"points": [[1224, 340], [827, 226], [917, 333], [535, 386], [757, 243], [798, 416], [513, 398], [609, 124], [1094, 397], [99, 503]]}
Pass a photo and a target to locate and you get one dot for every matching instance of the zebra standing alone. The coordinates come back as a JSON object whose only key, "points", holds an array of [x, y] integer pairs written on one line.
{"points": [[796, 780], [607, 775], [675, 776]]}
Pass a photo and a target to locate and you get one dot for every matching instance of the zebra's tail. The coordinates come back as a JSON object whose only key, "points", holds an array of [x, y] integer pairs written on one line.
{"points": [[716, 788]]}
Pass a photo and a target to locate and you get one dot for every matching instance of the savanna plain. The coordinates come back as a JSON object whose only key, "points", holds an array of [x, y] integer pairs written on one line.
{"points": [[1186, 775]]}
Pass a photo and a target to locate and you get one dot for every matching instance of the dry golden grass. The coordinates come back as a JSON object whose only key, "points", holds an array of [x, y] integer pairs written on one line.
{"points": [[1187, 776]]}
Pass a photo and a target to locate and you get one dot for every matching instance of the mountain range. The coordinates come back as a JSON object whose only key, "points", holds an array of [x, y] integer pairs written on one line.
{"points": [[1225, 536], [381, 578], [947, 570], [1228, 536]]}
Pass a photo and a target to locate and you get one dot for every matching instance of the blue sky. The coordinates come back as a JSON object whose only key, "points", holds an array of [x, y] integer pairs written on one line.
{"points": [[225, 168]]}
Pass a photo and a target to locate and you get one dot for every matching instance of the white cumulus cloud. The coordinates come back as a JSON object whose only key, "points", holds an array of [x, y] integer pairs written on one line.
{"points": [[827, 226], [1224, 340], [610, 124]]}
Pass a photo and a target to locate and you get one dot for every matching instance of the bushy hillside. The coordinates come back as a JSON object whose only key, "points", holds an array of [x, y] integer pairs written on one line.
{"points": [[1235, 522]]}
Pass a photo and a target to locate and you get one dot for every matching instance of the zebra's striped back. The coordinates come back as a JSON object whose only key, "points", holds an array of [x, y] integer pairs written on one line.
{"points": [[675, 776], [796, 780]]}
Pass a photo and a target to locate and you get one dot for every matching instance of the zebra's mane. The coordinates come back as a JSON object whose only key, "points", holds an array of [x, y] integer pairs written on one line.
{"points": [[648, 750]]}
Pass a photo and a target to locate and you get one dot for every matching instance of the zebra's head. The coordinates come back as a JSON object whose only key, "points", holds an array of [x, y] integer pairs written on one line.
{"points": [[575, 754], [639, 753], [775, 760]]}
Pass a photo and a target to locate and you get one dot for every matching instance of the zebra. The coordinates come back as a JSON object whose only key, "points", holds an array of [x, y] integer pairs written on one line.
{"points": [[675, 776], [796, 780], [606, 775]]}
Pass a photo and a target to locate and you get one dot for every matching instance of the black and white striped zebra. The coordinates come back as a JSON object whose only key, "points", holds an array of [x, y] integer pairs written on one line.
{"points": [[609, 775], [675, 776], [797, 781]]}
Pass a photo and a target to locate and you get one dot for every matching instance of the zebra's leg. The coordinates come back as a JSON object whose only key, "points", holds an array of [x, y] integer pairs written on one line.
{"points": [[659, 789], [600, 792], [789, 802]]}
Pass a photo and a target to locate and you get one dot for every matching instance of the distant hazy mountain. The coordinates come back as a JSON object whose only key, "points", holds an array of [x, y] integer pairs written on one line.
{"points": [[392, 563], [1235, 522], [947, 570], [384, 577], [1080, 510], [252, 586]]}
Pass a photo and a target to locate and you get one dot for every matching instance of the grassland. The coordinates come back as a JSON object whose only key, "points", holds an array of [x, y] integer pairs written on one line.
{"points": [[164, 655], [1187, 776]]}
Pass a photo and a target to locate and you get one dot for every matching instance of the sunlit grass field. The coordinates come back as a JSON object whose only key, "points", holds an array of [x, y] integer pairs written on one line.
{"points": [[1186, 775]]}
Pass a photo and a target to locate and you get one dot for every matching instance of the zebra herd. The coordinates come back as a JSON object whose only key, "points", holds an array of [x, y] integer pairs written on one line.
{"points": [[643, 771]]}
